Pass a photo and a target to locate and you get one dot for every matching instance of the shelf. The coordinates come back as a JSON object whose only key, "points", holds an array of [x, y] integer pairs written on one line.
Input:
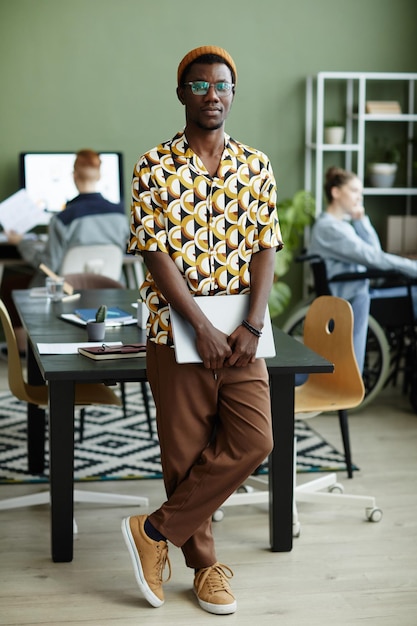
{"points": [[368, 75], [335, 147], [394, 117], [390, 191], [323, 97]]}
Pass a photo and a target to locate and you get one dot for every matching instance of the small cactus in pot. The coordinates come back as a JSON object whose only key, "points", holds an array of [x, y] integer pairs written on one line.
{"points": [[96, 330]]}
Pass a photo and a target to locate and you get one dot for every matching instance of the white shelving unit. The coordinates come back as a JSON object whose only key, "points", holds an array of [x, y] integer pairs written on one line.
{"points": [[356, 121]]}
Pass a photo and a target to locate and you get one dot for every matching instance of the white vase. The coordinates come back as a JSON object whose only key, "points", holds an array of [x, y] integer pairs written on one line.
{"points": [[334, 134], [382, 174]]}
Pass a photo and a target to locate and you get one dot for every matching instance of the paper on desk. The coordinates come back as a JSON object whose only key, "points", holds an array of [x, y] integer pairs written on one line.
{"points": [[72, 348], [75, 319], [20, 213]]}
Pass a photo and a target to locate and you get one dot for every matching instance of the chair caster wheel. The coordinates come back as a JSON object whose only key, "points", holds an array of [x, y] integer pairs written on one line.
{"points": [[374, 515], [218, 515], [245, 489], [337, 488]]}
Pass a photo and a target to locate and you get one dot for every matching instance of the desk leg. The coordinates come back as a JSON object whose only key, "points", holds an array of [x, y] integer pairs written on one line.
{"points": [[281, 470], [61, 468], [35, 421]]}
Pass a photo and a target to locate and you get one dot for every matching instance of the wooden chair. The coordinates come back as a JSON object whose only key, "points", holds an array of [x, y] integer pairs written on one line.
{"points": [[85, 394], [391, 347], [328, 331]]}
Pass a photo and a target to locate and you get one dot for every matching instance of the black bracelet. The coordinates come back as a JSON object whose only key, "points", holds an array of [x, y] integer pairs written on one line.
{"points": [[251, 329]]}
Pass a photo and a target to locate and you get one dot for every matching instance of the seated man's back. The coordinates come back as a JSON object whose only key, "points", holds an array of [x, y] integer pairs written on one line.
{"points": [[88, 219]]}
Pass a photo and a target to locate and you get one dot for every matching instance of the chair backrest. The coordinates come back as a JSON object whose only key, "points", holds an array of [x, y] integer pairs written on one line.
{"points": [[321, 282], [106, 260], [328, 331], [86, 280], [15, 374]]}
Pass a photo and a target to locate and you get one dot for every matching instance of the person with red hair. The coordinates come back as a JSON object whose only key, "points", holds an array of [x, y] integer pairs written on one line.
{"points": [[87, 219]]}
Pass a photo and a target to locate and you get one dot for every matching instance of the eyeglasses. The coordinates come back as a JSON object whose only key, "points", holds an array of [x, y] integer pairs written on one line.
{"points": [[201, 87]]}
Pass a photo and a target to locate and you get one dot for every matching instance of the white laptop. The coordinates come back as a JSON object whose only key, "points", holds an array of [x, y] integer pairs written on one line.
{"points": [[225, 313]]}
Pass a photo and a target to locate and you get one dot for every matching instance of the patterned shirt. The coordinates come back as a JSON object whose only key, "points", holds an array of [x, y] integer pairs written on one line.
{"points": [[210, 226]]}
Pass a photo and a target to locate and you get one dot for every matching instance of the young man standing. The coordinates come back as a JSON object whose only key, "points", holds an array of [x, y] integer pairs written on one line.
{"points": [[204, 218]]}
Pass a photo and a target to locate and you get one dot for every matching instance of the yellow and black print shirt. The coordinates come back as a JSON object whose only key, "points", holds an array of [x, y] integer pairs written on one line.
{"points": [[210, 226]]}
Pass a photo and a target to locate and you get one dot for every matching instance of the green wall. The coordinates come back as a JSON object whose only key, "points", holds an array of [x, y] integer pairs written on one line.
{"points": [[101, 73]]}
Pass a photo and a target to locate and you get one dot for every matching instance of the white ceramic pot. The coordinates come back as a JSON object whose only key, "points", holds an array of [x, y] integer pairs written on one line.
{"points": [[334, 134], [382, 174]]}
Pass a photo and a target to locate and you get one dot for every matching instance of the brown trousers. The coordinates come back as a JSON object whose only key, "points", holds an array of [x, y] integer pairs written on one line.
{"points": [[214, 431]]}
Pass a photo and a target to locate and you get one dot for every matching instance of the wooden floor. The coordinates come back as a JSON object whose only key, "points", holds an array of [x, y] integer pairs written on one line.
{"points": [[343, 570]]}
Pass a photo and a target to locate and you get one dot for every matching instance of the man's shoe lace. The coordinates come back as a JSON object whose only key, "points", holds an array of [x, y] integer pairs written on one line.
{"points": [[216, 577], [162, 560]]}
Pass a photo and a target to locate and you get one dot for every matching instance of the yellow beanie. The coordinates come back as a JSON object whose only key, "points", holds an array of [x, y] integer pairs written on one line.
{"points": [[198, 52]]}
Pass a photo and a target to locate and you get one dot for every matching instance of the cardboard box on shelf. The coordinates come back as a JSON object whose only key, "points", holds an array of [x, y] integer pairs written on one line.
{"points": [[402, 234]]}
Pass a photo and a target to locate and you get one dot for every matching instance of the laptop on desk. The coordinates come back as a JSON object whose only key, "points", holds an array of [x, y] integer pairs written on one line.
{"points": [[225, 313]]}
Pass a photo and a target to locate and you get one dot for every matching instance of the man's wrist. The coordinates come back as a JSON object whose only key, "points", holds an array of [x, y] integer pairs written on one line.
{"points": [[255, 331]]}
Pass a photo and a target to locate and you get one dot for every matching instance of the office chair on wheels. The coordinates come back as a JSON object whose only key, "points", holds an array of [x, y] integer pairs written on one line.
{"points": [[91, 280], [328, 331], [88, 280]]}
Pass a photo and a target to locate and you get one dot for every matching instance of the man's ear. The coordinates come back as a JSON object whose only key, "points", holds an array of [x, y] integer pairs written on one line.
{"points": [[180, 94]]}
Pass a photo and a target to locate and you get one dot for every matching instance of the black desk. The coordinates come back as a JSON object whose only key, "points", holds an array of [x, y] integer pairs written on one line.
{"points": [[63, 371]]}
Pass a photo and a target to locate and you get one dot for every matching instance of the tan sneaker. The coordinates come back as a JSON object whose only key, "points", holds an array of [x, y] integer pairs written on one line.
{"points": [[148, 557], [213, 590]]}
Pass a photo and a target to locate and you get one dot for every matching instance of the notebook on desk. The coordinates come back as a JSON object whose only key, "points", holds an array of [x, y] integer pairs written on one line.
{"points": [[225, 313]]}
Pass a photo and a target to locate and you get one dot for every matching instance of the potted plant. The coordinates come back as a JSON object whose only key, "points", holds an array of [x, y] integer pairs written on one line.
{"points": [[334, 132], [383, 164], [295, 215], [96, 329]]}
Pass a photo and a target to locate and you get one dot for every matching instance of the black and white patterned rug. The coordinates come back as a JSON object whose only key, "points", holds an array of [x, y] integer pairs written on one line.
{"points": [[118, 448]]}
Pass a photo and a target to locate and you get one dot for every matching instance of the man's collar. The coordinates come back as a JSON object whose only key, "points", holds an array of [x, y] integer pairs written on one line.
{"points": [[183, 154], [182, 147]]}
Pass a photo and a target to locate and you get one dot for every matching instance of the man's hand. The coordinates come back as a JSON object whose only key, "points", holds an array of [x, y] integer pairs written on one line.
{"points": [[211, 343], [244, 345], [213, 347]]}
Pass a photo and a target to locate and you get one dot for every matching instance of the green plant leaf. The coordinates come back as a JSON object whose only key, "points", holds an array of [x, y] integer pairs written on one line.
{"points": [[279, 298], [294, 214], [283, 261]]}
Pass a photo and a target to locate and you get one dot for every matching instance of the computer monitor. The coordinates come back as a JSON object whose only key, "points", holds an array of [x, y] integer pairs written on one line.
{"points": [[48, 178]]}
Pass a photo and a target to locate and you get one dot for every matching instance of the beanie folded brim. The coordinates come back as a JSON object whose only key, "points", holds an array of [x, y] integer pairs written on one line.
{"points": [[198, 52]]}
